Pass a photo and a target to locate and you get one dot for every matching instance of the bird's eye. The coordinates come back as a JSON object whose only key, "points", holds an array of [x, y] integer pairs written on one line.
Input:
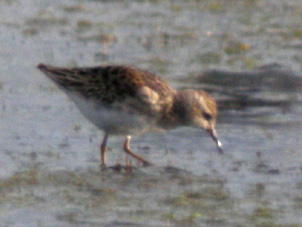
{"points": [[207, 116]]}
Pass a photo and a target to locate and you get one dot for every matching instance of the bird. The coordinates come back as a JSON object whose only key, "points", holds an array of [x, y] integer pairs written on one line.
{"points": [[126, 100]]}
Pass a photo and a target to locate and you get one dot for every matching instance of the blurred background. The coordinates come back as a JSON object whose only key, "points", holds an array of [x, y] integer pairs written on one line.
{"points": [[245, 53]]}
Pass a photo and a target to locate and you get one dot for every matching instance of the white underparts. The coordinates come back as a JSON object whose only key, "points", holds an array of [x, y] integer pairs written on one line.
{"points": [[118, 119]]}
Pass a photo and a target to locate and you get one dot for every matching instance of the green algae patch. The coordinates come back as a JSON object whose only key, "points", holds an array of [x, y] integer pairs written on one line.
{"points": [[29, 32], [84, 25], [208, 204], [100, 38], [236, 48], [262, 215], [46, 21], [74, 9], [210, 57], [199, 198], [209, 193]]}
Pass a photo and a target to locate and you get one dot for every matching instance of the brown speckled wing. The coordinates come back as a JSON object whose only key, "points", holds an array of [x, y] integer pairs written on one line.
{"points": [[108, 84]]}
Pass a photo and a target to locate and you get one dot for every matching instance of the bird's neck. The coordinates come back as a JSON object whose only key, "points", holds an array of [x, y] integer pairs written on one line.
{"points": [[174, 115]]}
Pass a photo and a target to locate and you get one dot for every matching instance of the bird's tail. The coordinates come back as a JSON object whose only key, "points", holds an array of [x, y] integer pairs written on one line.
{"points": [[68, 78]]}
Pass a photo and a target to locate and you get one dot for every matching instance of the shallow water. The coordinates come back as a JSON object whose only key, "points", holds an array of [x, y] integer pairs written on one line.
{"points": [[49, 153]]}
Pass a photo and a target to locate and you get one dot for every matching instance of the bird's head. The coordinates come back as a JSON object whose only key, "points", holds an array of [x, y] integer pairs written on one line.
{"points": [[199, 110]]}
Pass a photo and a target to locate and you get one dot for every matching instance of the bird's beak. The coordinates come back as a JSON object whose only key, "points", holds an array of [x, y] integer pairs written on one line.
{"points": [[214, 136]]}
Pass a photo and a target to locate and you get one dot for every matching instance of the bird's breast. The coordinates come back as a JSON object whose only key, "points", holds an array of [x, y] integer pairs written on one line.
{"points": [[116, 119]]}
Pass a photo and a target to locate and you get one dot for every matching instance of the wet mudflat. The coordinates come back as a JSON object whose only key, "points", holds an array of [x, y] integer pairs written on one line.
{"points": [[247, 54]]}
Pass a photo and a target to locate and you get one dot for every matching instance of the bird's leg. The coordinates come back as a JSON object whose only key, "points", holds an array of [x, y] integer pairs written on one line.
{"points": [[128, 166], [129, 151], [103, 149], [127, 160]]}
